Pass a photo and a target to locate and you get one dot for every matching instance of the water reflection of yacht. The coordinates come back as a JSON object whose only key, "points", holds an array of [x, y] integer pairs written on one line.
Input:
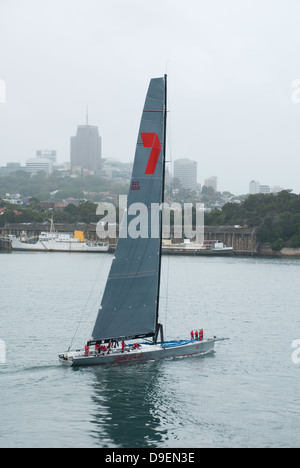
{"points": [[127, 408]]}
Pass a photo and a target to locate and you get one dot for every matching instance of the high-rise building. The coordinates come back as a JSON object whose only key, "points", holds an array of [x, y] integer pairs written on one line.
{"points": [[254, 187], [185, 171], [39, 165], [47, 154], [86, 148], [212, 182]]}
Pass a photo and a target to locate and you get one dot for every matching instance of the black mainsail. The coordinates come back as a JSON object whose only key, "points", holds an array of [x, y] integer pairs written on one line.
{"points": [[130, 303]]}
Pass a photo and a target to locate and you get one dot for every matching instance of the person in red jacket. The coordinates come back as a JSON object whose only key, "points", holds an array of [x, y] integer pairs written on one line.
{"points": [[201, 335]]}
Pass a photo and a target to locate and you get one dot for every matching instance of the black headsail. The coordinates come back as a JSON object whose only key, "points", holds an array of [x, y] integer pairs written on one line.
{"points": [[130, 303]]}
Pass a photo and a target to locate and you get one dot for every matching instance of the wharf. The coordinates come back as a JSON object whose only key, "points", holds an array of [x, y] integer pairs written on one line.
{"points": [[243, 240]]}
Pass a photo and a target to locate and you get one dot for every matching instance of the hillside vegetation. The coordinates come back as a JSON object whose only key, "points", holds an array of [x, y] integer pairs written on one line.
{"points": [[58, 187], [276, 216]]}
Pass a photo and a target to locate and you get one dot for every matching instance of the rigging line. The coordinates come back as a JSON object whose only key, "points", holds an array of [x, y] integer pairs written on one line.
{"points": [[87, 302], [167, 294], [169, 134]]}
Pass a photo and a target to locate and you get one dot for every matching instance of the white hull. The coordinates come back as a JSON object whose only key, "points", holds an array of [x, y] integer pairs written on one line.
{"points": [[196, 251], [55, 246], [192, 248], [146, 352]]}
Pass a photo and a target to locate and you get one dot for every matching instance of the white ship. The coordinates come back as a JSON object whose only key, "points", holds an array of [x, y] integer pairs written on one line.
{"points": [[213, 247], [57, 242]]}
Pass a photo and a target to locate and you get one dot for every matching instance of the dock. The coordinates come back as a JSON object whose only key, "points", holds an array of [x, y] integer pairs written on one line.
{"points": [[242, 239]]}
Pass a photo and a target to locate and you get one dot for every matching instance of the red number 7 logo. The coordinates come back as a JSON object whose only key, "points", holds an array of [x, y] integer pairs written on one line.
{"points": [[151, 140]]}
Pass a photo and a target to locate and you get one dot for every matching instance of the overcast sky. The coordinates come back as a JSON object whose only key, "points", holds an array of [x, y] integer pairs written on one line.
{"points": [[230, 65]]}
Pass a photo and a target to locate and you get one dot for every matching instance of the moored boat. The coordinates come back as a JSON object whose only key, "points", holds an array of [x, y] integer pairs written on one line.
{"points": [[57, 242]]}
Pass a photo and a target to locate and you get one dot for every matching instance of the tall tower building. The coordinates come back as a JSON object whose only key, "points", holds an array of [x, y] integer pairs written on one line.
{"points": [[86, 148], [186, 171]]}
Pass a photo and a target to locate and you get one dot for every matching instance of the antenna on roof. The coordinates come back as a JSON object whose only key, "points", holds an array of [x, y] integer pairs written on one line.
{"points": [[87, 115]]}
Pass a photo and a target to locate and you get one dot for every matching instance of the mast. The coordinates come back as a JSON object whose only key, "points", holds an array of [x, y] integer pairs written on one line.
{"points": [[159, 327]]}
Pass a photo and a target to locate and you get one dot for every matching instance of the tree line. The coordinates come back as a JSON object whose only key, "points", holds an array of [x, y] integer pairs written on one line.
{"points": [[58, 186], [276, 215]]}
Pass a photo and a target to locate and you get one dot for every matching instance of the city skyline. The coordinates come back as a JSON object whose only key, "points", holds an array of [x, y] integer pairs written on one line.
{"points": [[202, 179], [183, 169], [232, 105]]}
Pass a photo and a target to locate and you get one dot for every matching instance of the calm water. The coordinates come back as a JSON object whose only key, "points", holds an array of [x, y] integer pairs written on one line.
{"points": [[245, 395]]}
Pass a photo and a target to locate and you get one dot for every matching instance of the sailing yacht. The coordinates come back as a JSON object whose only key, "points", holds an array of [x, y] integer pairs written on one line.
{"points": [[129, 311]]}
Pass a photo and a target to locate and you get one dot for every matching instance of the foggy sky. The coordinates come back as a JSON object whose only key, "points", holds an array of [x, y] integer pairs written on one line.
{"points": [[230, 65]]}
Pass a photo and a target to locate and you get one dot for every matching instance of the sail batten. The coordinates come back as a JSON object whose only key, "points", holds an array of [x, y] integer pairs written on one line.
{"points": [[129, 305]]}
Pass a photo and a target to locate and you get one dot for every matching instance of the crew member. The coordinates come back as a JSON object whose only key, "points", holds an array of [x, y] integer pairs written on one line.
{"points": [[135, 346]]}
